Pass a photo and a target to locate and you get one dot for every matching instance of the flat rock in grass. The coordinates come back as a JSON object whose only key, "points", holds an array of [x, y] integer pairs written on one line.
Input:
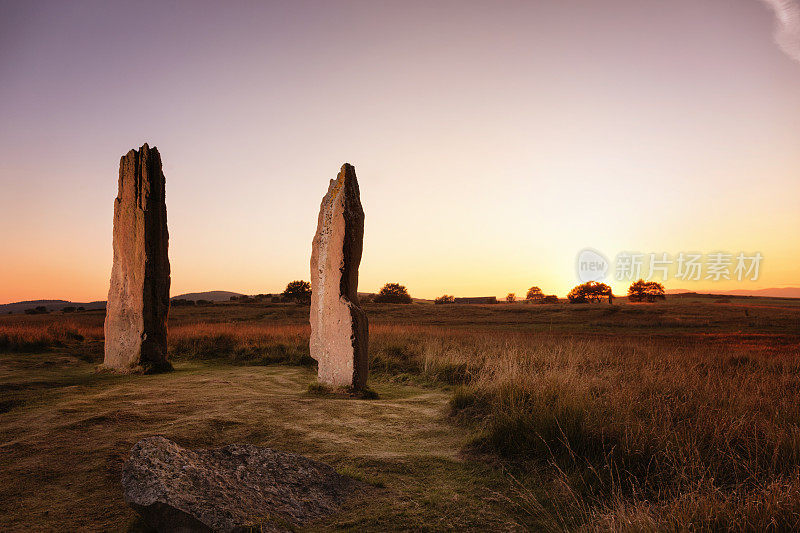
{"points": [[236, 488]]}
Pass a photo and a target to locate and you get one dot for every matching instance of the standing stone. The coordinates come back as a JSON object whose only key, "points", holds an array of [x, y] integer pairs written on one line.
{"points": [[138, 299], [339, 332]]}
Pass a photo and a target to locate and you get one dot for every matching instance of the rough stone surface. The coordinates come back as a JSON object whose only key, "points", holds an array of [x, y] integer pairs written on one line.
{"points": [[339, 333], [138, 298], [234, 488]]}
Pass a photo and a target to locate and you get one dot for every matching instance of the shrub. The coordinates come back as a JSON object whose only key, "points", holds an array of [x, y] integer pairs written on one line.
{"points": [[511, 297], [550, 299], [645, 291], [591, 291], [445, 299], [299, 291], [393, 358], [535, 295], [393, 293]]}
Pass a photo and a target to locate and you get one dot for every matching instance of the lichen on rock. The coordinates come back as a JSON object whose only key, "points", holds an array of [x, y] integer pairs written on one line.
{"points": [[138, 296], [339, 330]]}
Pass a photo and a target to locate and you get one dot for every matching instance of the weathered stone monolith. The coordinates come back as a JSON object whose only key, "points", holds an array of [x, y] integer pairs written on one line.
{"points": [[339, 333], [138, 299]]}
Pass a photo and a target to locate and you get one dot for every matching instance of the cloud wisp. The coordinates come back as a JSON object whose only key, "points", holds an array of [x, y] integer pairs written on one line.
{"points": [[787, 26]]}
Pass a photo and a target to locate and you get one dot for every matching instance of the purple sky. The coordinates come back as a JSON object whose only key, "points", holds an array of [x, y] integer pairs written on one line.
{"points": [[492, 140]]}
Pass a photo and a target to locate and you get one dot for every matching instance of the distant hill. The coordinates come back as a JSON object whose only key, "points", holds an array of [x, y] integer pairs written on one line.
{"points": [[58, 305], [211, 296], [224, 296], [51, 305], [784, 292]]}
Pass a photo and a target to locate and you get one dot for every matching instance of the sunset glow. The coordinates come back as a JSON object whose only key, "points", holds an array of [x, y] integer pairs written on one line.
{"points": [[493, 142]]}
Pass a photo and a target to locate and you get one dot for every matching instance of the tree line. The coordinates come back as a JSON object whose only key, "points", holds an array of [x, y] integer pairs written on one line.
{"points": [[589, 292]]}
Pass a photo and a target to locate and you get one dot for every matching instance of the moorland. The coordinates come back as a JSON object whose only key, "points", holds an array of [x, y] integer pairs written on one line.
{"points": [[676, 415]]}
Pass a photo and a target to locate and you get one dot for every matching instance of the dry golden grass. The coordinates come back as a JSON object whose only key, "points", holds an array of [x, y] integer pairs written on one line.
{"points": [[252, 343], [661, 417], [31, 336], [635, 431], [683, 435], [62, 451]]}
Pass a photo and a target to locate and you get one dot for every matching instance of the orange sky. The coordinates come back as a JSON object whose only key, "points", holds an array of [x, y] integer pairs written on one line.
{"points": [[491, 143]]}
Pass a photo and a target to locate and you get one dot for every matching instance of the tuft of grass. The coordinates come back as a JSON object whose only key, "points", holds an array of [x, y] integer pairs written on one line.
{"points": [[316, 388], [242, 343], [365, 394], [390, 357], [358, 475]]}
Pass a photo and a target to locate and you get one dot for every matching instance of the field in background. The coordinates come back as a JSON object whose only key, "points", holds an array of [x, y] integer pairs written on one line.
{"points": [[684, 414]]}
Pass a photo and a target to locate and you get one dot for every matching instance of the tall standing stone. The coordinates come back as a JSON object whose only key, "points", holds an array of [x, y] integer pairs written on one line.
{"points": [[138, 299], [339, 332]]}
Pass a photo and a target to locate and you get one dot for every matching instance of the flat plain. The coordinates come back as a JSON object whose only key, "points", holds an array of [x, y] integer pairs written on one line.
{"points": [[669, 416]]}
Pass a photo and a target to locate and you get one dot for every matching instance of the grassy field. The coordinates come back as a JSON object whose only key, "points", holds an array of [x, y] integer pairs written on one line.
{"points": [[671, 416]]}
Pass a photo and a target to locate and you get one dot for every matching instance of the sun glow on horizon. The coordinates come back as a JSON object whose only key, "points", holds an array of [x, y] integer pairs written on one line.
{"points": [[490, 147]]}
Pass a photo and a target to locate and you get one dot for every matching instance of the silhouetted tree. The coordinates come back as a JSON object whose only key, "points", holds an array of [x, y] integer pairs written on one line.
{"points": [[645, 291], [511, 297], [299, 291], [591, 291], [445, 299], [393, 293], [534, 295]]}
